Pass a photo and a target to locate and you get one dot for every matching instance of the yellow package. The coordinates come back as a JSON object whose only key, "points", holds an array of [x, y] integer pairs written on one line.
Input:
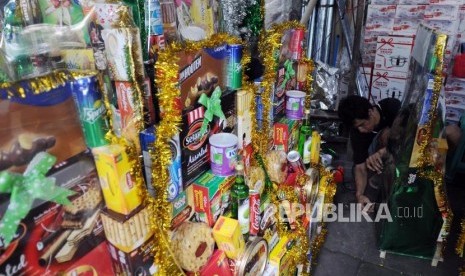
{"points": [[279, 258], [228, 237], [202, 13], [120, 192], [315, 148]]}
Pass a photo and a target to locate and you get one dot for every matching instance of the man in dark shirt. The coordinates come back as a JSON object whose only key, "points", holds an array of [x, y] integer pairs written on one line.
{"points": [[369, 128]]}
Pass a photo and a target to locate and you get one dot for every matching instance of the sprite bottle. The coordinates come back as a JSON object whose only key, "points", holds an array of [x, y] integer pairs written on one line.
{"points": [[240, 200]]}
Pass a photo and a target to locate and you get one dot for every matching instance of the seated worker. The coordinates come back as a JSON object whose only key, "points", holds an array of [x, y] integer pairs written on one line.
{"points": [[369, 128]]}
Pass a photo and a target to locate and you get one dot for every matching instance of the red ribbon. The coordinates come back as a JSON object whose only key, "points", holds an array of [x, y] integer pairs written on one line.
{"points": [[379, 76], [386, 42]]}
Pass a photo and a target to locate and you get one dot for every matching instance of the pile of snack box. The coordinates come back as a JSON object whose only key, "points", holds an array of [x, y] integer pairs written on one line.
{"points": [[73, 106]]}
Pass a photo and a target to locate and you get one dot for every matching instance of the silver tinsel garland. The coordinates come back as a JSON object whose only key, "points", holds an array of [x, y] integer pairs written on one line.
{"points": [[234, 12]]}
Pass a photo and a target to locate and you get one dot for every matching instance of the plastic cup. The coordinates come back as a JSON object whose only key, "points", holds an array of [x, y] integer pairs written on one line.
{"points": [[223, 152]]}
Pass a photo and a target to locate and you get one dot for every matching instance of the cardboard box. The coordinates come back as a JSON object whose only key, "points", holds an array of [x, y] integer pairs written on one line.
{"points": [[137, 262], [379, 25], [127, 232], [386, 84], [366, 72], [405, 27], [455, 85], [410, 11], [120, 192], [286, 134], [393, 53], [147, 139], [454, 114], [279, 259], [384, 2], [448, 27], [441, 12], [211, 196], [446, 2], [414, 2], [217, 265], [54, 239], [279, 100], [200, 73], [376, 11], [183, 207], [228, 237], [455, 100]]}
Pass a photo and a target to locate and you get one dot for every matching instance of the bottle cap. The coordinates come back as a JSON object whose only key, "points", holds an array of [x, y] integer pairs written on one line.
{"points": [[307, 111], [239, 166]]}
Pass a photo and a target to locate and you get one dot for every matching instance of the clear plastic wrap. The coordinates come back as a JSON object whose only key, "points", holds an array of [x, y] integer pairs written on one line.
{"points": [[326, 91]]}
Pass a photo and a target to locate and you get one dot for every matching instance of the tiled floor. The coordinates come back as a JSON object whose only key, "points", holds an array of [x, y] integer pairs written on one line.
{"points": [[350, 248]]}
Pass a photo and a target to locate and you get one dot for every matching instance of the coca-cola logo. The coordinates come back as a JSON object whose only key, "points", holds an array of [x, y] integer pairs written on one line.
{"points": [[195, 139], [5, 253], [256, 217]]}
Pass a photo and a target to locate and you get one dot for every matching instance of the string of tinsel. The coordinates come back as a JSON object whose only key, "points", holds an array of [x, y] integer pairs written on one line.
{"points": [[268, 45], [461, 239], [167, 68], [426, 161]]}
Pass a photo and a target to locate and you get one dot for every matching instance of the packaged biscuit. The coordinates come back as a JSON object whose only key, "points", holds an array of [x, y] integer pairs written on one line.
{"points": [[120, 192]]}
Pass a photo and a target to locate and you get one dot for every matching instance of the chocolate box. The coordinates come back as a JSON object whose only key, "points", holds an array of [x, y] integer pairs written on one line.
{"points": [[137, 262], [200, 73], [211, 196], [54, 239]]}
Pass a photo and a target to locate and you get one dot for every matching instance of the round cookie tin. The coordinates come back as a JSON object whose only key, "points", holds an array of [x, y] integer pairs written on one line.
{"points": [[254, 258]]}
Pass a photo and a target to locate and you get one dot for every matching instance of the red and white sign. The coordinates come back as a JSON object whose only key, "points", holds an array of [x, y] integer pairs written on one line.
{"points": [[386, 84], [393, 53]]}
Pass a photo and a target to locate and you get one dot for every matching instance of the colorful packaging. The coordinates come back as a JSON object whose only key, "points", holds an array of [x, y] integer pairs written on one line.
{"points": [[117, 52], [223, 153], [393, 53], [286, 134], [127, 232], [228, 237], [54, 238], [183, 207], [199, 13], [200, 73], [137, 262], [379, 25], [279, 259], [114, 169], [147, 139], [106, 15], [211, 196], [217, 265], [286, 80], [78, 59], [125, 92], [388, 84]]}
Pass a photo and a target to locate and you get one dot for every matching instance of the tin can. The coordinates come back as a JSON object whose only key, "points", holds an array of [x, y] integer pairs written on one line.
{"points": [[234, 67], [88, 99], [295, 162], [155, 43], [254, 201], [254, 259], [295, 44]]}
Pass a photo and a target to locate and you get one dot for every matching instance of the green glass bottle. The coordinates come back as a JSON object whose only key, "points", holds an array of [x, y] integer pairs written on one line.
{"points": [[305, 133], [240, 200]]}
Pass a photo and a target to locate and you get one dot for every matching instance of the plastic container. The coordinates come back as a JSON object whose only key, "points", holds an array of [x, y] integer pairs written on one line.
{"points": [[223, 151], [295, 104]]}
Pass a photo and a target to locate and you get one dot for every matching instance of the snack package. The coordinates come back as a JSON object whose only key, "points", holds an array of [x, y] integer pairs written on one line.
{"points": [[276, 166], [193, 245]]}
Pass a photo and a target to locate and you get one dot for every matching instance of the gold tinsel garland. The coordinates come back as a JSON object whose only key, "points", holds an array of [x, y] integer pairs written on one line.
{"points": [[461, 239], [269, 44], [426, 161], [167, 68]]}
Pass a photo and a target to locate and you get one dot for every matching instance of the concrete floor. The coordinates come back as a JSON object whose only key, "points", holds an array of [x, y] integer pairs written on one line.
{"points": [[351, 248]]}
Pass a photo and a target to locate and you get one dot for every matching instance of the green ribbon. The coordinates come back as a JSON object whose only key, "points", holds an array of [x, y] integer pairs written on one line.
{"points": [[25, 188], [289, 72], [213, 108]]}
